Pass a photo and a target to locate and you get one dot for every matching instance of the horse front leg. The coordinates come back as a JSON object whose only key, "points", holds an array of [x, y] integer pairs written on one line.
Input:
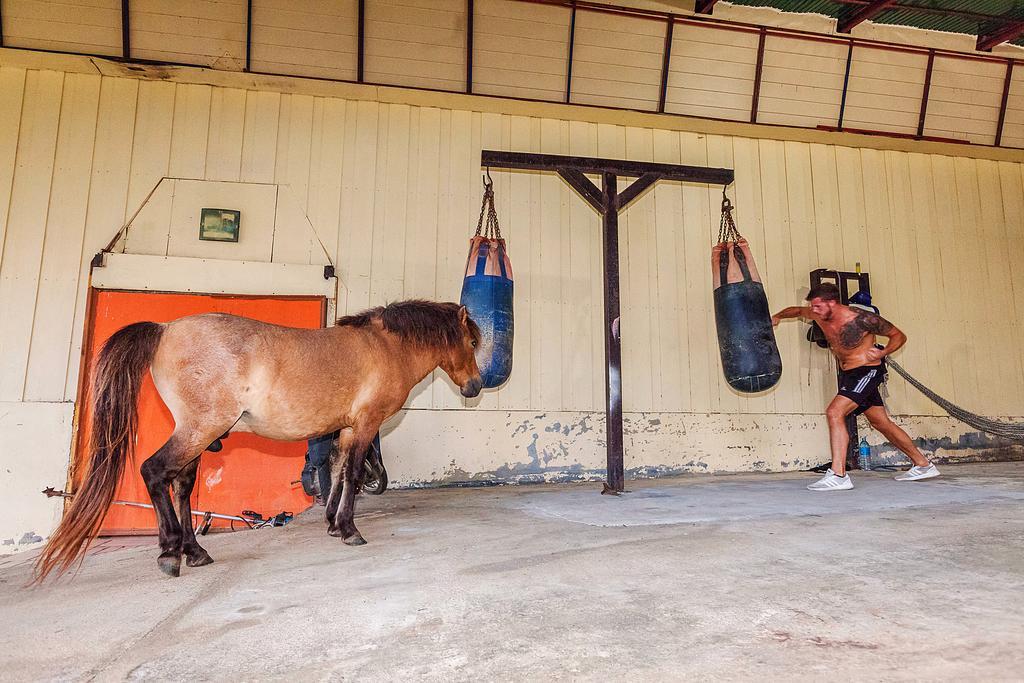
{"points": [[346, 472]]}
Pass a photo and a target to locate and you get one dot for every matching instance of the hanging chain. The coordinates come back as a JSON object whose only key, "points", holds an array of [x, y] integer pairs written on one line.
{"points": [[491, 230], [727, 231]]}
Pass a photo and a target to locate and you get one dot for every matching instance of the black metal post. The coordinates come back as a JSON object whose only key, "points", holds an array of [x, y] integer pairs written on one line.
{"points": [[126, 37], [1, 23], [924, 96], [757, 75], [846, 86], [248, 35], [612, 334], [360, 40], [608, 202], [469, 46], [665, 59], [1002, 104], [572, 43]]}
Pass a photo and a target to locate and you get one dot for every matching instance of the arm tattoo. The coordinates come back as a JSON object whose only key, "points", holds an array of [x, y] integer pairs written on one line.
{"points": [[852, 333], [875, 324]]}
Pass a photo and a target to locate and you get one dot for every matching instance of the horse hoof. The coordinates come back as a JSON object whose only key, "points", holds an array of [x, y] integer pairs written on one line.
{"points": [[354, 540], [199, 558], [170, 565]]}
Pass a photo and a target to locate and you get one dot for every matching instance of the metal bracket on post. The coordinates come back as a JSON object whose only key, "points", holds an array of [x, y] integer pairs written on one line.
{"points": [[609, 202]]}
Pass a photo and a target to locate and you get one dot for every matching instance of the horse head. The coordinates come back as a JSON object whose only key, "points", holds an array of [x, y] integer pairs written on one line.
{"points": [[459, 359]]}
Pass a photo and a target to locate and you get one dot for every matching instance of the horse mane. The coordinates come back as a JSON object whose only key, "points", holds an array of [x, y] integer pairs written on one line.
{"points": [[426, 323]]}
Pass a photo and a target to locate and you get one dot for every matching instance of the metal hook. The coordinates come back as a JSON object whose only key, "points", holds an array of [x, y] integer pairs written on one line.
{"points": [[726, 204], [488, 182]]}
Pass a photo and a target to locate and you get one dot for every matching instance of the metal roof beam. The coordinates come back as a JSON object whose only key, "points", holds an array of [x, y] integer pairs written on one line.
{"points": [[1011, 31], [934, 11], [704, 6], [868, 11]]}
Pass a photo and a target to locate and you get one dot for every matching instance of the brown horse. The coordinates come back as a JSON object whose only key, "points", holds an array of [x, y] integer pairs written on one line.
{"points": [[219, 373]]}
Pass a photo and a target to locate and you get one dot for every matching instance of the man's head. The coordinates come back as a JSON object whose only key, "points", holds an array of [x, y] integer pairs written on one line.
{"points": [[823, 299]]}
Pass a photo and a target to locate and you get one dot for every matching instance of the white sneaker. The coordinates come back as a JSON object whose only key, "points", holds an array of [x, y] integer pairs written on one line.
{"points": [[916, 472], [832, 482]]}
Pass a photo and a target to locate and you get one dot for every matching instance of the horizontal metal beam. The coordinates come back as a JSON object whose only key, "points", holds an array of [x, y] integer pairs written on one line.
{"points": [[633, 169]]}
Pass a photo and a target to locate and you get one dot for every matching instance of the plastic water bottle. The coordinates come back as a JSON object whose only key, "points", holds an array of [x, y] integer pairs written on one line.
{"points": [[865, 454]]}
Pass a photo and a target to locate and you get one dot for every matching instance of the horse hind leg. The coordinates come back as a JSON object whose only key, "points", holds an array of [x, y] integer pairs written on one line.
{"points": [[184, 483], [159, 471]]}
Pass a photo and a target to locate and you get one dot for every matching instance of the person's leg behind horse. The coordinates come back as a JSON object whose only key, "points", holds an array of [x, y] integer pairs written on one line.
{"points": [[346, 473], [318, 456], [184, 483]]}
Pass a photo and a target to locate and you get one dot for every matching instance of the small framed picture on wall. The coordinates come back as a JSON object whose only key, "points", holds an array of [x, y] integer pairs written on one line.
{"points": [[220, 225]]}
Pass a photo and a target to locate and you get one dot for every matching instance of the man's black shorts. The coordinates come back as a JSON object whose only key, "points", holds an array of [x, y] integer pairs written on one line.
{"points": [[860, 385]]}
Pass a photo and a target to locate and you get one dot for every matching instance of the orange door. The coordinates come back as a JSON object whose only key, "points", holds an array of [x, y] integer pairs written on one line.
{"points": [[250, 473]]}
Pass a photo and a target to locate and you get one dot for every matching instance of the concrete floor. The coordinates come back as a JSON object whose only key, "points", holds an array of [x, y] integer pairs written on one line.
{"points": [[716, 577]]}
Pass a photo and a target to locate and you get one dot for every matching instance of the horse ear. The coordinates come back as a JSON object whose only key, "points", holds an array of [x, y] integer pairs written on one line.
{"points": [[463, 315]]}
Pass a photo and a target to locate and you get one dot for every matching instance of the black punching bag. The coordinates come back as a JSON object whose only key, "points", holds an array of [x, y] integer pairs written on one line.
{"points": [[746, 339]]}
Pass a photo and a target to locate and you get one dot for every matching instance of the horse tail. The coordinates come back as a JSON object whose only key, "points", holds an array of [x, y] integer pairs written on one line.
{"points": [[117, 380]]}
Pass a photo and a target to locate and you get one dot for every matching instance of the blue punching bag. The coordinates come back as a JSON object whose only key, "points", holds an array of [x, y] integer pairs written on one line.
{"points": [[746, 339], [487, 294]]}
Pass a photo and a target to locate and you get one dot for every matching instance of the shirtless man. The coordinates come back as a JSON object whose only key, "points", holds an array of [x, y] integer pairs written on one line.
{"points": [[851, 336]]}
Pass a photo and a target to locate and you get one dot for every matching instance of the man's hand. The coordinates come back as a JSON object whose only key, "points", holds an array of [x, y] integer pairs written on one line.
{"points": [[874, 354], [775, 321]]}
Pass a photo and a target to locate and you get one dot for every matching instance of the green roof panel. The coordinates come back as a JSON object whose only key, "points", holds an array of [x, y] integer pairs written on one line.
{"points": [[951, 16]]}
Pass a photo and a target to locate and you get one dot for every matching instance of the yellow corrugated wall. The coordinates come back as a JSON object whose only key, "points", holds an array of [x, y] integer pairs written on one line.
{"points": [[393, 191]]}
